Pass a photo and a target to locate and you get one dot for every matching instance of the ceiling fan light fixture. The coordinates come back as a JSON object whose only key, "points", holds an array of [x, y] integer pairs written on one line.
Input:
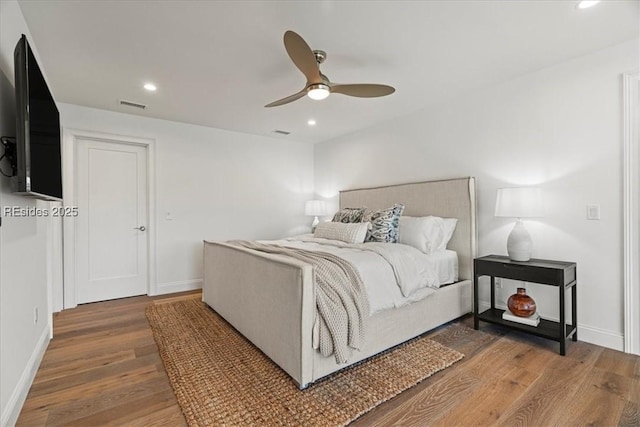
{"points": [[318, 85], [318, 91]]}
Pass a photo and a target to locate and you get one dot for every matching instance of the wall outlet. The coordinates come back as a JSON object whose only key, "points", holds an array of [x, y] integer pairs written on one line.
{"points": [[593, 212], [35, 315], [498, 283]]}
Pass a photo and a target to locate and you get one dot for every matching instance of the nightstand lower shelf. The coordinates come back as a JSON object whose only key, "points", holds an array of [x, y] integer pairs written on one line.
{"points": [[546, 329]]}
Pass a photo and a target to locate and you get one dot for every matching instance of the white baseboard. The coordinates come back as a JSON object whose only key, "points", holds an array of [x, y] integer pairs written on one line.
{"points": [[586, 333], [601, 337], [180, 286], [19, 395]]}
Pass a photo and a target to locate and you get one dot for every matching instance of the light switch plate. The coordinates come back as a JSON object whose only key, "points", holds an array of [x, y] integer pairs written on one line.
{"points": [[593, 212]]}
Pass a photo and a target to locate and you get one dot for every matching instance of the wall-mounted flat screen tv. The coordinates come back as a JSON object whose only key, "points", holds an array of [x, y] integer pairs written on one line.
{"points": [[38, 154]]}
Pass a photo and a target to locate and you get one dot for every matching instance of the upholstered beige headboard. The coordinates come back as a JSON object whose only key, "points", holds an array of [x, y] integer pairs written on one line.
{"points": [[451, 198]]}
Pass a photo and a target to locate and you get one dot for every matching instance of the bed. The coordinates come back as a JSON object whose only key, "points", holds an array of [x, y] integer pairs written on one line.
{"points": [[270, 298]]}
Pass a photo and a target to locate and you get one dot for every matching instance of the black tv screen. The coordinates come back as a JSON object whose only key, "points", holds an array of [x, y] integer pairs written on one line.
{"points": [[39, 164]]}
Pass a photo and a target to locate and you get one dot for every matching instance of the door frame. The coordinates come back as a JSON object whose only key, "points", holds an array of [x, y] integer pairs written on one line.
{"points": [[631, 211], [70, 193]]}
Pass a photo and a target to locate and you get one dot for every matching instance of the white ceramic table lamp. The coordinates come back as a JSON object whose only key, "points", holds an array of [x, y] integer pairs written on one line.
{"points": [[315, 208], [521, 202]]}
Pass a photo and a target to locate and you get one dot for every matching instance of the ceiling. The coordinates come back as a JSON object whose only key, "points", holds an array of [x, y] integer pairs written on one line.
{"points": [[217, 63]]}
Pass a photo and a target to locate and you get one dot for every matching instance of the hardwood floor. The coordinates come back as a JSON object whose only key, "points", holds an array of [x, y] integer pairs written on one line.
{"points": [[103, 368]]}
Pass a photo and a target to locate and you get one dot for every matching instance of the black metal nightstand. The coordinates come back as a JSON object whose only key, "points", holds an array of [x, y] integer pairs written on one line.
{"points": [[553, 273]]}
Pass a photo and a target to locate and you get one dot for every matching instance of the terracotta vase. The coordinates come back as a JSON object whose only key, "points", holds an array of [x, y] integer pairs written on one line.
{"points": [[521, 304]]}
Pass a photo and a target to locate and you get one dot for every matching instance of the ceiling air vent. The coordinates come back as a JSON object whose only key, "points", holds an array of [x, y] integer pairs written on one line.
{"points": [[132, 104], [281, 132]]}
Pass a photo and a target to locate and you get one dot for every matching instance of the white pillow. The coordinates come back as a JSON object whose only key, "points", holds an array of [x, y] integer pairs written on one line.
{"points": [[354, 232], [449, 228], [425, 233]]}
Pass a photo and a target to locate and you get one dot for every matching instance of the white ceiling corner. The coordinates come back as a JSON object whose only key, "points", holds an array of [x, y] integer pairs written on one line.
{"points": [[217, 63]]}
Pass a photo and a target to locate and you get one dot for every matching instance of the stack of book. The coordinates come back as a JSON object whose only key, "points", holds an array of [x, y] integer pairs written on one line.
{"points": [[532, 320]]}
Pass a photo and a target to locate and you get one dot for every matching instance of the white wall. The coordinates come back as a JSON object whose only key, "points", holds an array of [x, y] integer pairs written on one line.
{"points": [[216, 184], [559, 128], [24, 265]]}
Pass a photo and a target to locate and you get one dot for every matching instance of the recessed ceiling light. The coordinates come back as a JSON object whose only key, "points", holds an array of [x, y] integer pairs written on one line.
{"points": [[311, 122], [150, 87], [585, 4]]}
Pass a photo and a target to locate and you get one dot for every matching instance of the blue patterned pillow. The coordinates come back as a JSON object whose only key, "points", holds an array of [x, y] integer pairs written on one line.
{"points": [[349, 215], [384, 224]]}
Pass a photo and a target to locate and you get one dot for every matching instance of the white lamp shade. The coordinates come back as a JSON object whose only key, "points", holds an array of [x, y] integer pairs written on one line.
{"points": [[520, 202], [314, 208]]}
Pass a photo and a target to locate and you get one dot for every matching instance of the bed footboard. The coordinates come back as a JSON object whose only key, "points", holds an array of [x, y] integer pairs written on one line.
{"points": [[268, 298]]}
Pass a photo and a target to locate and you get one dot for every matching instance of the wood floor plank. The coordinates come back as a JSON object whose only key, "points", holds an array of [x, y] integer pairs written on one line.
{"points": [[147, 349], [428, 406], [621, 363], [114, 331], [123, 320], [603, 396], [125, 414], [484, 364], [634, 394], [496, 395], [108, 401], [103, 368], [123, 368], [170, 416], [434, 403], [103, 346], [463, 339], [67, 368], [74, 317], [36, 417], [630, 415], [558, 383], [93, 389]]}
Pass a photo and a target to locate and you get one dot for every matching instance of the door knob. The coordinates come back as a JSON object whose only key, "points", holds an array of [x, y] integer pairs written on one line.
{"points": [[141, 228]]}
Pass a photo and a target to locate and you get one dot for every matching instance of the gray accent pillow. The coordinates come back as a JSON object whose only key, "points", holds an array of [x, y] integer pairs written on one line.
{"points": [[349, 215], [348, 233], [384, 224]]}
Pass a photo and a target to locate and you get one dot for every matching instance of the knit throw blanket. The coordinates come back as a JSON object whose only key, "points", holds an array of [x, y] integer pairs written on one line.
{"points": [[341, 300]]}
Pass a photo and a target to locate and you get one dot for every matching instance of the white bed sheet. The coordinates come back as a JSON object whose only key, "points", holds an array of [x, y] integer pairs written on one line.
{"points": [[379, 278]]}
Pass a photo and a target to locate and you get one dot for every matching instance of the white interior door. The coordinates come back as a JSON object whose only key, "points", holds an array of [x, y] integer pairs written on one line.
{"points": [[111, 234]]}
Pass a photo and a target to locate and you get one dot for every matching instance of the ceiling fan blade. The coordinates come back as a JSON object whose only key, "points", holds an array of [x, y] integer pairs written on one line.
{"points": [[288, 99], [302, 56], [363, 90]]}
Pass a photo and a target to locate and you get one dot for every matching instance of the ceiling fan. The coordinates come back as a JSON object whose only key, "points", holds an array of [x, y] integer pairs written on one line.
{"points": [[318, 85]]}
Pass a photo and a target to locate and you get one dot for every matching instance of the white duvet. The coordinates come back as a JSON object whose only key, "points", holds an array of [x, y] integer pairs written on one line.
{"points": [[393, 274]]}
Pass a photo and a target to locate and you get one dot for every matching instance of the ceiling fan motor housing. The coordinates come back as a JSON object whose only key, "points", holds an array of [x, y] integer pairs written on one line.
{"points": [[320, 55]]}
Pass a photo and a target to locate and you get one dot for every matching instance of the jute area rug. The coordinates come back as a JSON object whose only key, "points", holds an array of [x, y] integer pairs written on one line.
{"points": [[220, 378]]}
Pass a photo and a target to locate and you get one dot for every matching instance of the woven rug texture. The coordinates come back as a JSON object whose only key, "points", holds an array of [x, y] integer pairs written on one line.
{"points": [[220, 378]]}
